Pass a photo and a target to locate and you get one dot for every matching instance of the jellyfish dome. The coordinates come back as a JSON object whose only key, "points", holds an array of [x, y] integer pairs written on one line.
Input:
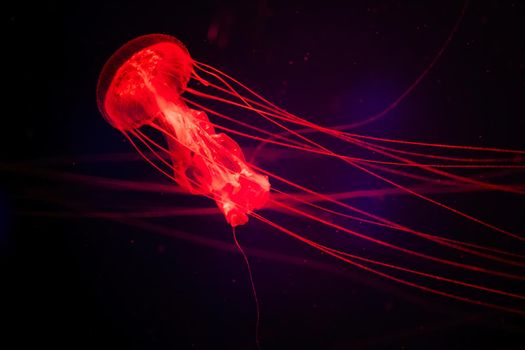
{"points": [[142, 70]]}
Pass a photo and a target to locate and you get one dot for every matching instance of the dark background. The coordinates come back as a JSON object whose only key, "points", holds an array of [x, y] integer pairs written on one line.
{"points": [[88, 282]]}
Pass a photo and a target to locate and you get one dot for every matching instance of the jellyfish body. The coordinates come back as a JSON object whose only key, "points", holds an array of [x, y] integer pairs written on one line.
{"points": [[140, 85]]}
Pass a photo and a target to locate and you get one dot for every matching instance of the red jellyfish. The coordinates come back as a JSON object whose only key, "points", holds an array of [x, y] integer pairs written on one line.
{"points": [[141, 84]]}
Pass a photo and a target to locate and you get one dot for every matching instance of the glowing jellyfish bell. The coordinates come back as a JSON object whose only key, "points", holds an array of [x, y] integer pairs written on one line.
{"points": [[141, 84]]}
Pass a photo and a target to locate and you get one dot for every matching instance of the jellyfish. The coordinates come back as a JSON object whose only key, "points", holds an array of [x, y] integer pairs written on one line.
{"points": [[153, 83]]}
